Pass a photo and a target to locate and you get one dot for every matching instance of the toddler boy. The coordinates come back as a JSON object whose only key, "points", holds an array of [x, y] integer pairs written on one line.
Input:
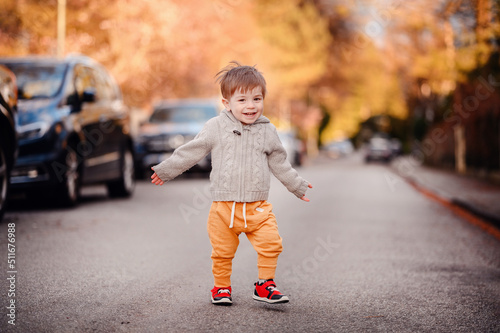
{"points": [[245, 149]]}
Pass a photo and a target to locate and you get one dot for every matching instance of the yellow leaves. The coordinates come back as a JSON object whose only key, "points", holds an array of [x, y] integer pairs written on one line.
{"points": [[345, 120], [343, 10], [297, 41], [173, 48]]}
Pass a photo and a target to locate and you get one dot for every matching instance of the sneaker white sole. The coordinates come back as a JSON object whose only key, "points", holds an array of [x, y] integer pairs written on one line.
{"points": [[222, 301], [283, 299]]}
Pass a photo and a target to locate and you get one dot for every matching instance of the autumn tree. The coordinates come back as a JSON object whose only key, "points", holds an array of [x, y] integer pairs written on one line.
{"points": [[360, 80], [296, 44], [156, 49]]}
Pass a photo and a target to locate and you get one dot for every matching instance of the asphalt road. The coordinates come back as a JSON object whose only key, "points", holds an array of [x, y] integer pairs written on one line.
{"points": [[362, 256]]}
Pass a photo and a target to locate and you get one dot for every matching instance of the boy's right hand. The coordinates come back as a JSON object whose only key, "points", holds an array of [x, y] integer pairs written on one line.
{"points": [[156, 180], [304, 197]]}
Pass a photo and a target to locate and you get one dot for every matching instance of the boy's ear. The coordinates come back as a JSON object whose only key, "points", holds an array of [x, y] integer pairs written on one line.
{"points": [[226, 103]]}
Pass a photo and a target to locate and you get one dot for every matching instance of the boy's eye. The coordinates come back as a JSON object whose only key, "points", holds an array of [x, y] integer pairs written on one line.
{"points": [[257, 99], [241, 100]]}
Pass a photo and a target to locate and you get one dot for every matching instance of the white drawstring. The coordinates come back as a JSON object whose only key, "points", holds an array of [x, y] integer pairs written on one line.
{"points": [[244, 214]]}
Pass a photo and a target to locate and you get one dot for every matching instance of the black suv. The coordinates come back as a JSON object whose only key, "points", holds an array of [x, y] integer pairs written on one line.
{"points": [[8, 137], [73, 128]]}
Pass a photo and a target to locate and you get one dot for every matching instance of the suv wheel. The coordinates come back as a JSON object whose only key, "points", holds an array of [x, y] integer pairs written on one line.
{"points": [[69, 190], [4, 181], [124, 187]]}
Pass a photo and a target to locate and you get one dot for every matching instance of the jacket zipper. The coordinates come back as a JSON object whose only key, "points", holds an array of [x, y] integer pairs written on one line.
{"points": [[241, 187]]}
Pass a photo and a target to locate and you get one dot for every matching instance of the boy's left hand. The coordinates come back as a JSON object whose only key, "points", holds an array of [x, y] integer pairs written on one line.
{"points": [[304, 197]]}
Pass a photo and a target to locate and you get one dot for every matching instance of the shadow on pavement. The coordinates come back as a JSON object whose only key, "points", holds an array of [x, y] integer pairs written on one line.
{"points": [[42, 201], [23, 202]]}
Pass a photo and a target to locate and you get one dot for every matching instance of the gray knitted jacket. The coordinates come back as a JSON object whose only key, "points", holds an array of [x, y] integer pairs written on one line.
{"points": [[242, 158]]}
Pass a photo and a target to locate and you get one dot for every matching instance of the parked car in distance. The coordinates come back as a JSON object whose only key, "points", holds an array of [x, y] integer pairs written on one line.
{"points": [[172, 124], [73, 129], [339, 148], [8, 135], [378, 149], [293, 146]]}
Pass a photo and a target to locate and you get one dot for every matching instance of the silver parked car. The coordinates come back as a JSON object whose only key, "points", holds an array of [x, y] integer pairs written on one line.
{"points": [[172, 123], [378, 149]]}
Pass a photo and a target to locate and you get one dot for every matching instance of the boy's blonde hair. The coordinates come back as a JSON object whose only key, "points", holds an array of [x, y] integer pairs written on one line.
{"points": [[235, 77]]}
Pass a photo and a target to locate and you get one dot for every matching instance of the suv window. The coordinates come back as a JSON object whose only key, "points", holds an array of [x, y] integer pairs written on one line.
{"points": [[104, 88], [90, 79], [108, 86], [38, 81], [83, 80]]}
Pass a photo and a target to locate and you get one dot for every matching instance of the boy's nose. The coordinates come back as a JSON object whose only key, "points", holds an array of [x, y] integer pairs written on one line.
{"points": [[250, 105]]}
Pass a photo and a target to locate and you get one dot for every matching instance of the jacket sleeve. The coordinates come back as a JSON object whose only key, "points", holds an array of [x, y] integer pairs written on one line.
{"points": [[282, 169], [186, 155]]}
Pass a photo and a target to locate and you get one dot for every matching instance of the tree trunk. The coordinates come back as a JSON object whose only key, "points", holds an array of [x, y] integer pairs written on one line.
{"points": [[460, 163], [483, 20]]}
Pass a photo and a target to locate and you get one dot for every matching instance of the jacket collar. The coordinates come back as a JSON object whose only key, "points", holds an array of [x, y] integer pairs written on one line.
{"points": [[229, 115]]}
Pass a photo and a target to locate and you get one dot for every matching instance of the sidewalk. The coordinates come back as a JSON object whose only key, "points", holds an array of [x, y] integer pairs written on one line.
{"points": [[475, 195]]}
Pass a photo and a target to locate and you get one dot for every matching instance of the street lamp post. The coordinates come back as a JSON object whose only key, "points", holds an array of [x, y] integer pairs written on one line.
{"points": [[61, 27]]}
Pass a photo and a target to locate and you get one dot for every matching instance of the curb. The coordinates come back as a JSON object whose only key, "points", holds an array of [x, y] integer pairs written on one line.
{"points": [[481, 213], [449, 200]]}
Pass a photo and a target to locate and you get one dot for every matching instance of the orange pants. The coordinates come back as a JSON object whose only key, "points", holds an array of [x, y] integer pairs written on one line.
{"points": [[261, 231]]}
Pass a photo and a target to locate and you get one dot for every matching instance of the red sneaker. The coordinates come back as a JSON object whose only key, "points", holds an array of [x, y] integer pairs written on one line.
{"points": [[222, 296], [267, 292]]}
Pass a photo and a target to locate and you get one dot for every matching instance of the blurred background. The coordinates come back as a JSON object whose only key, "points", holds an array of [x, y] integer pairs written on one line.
{"points": [[336, 69], [376, 102]]}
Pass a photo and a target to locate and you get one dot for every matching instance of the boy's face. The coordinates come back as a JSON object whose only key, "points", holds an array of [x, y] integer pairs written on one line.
{"points": [[247, 106]]}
